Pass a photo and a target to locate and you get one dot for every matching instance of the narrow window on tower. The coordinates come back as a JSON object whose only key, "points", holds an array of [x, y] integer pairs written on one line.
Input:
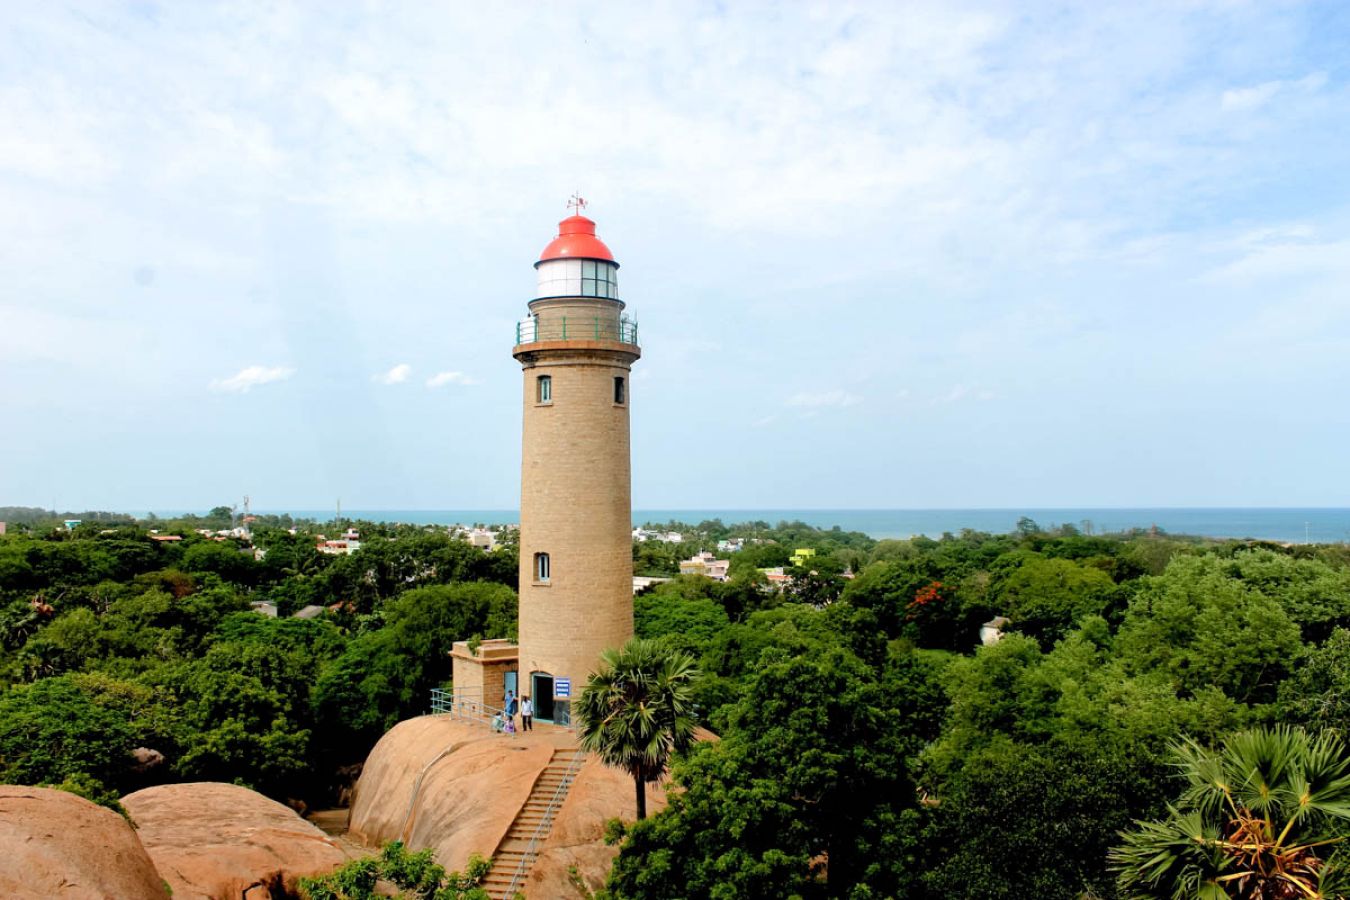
{"points": [[544, 389], [541, 567], [618, 389]]}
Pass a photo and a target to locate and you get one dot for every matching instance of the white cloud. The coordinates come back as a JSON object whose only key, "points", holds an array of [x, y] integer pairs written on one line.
{"points": [[960, 392], [250, 377], [397, 375], [1283, 259], [1241, 99], [823, 399], [441, 379], [1257, 96]]}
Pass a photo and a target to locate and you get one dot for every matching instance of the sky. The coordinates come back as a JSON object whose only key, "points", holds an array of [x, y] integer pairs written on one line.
{"points": [[882, 254]]}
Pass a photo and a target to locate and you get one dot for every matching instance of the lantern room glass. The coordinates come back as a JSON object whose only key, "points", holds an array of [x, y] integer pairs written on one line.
{"points": [[578, 278]]}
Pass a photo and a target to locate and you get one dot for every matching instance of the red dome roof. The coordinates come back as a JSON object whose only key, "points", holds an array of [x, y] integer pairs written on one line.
{"points": [[576, 240]]}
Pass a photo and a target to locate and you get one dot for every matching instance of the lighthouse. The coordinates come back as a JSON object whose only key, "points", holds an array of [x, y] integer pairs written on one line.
{"points": [[576, 349]]}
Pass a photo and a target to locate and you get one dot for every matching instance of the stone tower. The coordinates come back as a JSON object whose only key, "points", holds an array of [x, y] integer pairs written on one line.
{"points": [[576, 347]]}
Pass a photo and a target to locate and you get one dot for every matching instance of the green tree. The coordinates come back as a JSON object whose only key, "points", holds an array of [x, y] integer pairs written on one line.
{"points": [[1203, 627], [1318, 695], [686, 623], [636, 712], [56, 729], [387, 674], [1045, 598], [416, 875], [223, 558], [1315, 595], [812, 766], [1021, 821], [1262, 818]]}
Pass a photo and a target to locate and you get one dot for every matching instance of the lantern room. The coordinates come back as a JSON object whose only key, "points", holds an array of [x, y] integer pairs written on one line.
{"points": [[576, 263]]}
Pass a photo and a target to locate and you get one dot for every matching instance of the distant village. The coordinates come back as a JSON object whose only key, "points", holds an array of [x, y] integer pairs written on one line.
{"points": [[712, 564]]}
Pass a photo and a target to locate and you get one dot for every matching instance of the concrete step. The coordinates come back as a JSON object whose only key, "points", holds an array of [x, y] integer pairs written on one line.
{"points": [[528, 833], [533, 815], [533, 821]]}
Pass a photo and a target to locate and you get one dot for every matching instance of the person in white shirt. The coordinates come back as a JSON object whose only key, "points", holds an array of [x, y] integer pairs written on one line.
{"points": [[526, 714]]}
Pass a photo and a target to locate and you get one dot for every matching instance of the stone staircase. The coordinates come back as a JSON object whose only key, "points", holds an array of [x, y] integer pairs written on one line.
{"points": [[515, 855]]}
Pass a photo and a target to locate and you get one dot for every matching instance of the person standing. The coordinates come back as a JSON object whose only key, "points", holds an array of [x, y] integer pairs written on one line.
{"points": [[509, 706], [512, 705], [526, 714]]}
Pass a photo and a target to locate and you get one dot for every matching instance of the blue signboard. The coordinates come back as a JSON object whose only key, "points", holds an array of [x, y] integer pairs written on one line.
{"points": [[562, 688]]}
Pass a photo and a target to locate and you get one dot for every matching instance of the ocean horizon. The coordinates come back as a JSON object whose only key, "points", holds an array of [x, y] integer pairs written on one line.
{"points": [[1290, 525]]}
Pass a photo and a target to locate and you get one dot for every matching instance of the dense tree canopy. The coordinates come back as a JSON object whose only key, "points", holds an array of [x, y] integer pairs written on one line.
{"points": [[127, 661], [870, 744], [871, 747]]}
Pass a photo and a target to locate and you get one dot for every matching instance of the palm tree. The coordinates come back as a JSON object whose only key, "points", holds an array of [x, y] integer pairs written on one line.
{"points": [[1262, 818], [638, 710]]}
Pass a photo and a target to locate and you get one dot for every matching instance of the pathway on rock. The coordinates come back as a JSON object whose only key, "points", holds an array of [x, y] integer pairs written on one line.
{"points": [[333, 822], [515, 855]]}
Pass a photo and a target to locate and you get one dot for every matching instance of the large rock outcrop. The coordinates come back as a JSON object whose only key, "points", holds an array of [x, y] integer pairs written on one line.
{"points": [[57, 845], [212, 840], [474, 783], [456, 788]]}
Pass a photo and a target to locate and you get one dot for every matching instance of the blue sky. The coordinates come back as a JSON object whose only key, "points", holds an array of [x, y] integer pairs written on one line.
{"points": [[883, 255]]}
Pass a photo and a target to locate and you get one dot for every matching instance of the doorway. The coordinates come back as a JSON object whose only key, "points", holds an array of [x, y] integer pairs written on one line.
{"points": [[541, 692], [508, 687]]}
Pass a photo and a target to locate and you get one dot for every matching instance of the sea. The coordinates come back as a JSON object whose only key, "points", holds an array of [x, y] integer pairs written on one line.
{"points": [[1287, 525]]}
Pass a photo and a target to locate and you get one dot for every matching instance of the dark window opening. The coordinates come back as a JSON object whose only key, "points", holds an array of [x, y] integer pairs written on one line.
{"points": [[619, 390]]}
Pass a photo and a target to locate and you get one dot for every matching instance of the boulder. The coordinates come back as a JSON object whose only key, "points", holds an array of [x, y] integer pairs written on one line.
{"points": [[452, 786], [58, 845], [456, 787], [146, 759], [212, 840]]}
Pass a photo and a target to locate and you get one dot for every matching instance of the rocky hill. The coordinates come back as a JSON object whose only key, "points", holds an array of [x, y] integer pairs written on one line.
{"points": [[458, 788]]}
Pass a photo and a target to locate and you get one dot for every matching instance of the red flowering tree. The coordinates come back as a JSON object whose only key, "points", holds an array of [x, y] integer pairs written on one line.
{"points": [[932, 618]]}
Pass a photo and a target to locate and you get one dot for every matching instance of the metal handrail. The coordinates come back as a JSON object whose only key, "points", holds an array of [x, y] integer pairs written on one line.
{"points": [[417, 789], [459, 706], [559, 794], [576, 328]]}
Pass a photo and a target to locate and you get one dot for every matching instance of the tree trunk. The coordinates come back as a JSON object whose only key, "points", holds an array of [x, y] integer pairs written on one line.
{"points": [[641, 797]]}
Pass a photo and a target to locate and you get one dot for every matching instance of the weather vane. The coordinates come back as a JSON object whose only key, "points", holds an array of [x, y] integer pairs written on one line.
{"points": [[577, 203]]}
